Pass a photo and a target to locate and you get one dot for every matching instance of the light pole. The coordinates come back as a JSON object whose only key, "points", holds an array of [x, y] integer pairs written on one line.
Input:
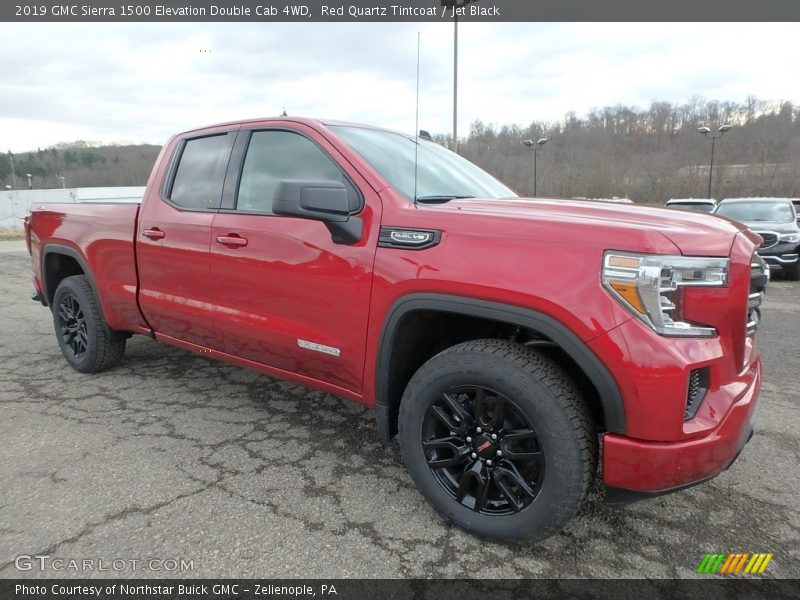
{"points": [[63, 181], [30, 182], [13, 174], [455, 84], [535, 146], [707, 133], [458, 7]]}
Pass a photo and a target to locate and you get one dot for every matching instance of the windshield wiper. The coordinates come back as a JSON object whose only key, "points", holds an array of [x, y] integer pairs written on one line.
{"points": [[440, 199]]}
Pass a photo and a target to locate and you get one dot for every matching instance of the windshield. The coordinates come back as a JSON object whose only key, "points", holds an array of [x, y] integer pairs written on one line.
{"points": [[773, 212], [441, 174]]}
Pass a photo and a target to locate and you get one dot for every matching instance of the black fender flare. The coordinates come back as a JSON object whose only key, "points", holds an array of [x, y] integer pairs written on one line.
{"points": [[72, 253], [607, 389]]}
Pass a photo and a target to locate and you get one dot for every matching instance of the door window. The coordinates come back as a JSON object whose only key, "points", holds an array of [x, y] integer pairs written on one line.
{"points": [[276, 155], [201, 172]]}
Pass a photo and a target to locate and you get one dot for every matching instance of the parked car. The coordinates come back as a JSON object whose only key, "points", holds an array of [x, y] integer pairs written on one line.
{"points": [[512, 344], [696, 204], [776, 220]]}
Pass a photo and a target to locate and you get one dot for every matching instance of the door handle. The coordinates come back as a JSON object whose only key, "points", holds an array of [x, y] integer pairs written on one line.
{"points": [[232, 240], [154, 233]]}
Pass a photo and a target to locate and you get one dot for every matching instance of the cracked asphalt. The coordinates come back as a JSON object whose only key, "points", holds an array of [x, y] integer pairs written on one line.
{"points": [[175, 456]]}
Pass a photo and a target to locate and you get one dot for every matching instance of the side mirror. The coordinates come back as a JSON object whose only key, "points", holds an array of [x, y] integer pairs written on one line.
{"points": [[325, 201], [316, 200]]}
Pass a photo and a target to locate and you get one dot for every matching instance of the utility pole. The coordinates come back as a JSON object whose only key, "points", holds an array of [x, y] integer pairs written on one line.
{"points": [[455, 84], [457, 6]]}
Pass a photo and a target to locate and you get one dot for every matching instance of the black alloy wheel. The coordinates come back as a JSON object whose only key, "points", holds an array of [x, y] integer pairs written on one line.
{"points": [[72, 324], [499, 440], [483, 450], [87, 342]]}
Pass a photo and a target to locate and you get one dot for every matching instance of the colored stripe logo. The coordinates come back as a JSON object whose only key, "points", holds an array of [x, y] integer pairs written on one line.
{"points": [[735, 563]]}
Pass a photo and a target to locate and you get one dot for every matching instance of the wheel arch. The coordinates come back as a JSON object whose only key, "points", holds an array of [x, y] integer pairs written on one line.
{"points": [[53, 274], [390, 380]]}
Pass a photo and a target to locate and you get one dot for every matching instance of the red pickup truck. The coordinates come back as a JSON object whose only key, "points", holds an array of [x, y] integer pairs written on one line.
{"points": [[518, 347]]}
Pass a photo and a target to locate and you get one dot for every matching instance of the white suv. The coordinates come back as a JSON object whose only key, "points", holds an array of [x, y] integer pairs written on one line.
{"points": [[706, 205]]}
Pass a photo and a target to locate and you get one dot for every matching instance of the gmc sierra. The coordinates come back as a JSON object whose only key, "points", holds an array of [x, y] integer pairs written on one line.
{"points": [[518, 347]]}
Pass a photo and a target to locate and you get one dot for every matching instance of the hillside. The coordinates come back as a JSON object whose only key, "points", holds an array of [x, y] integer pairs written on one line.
{"points": [[647, 154], [82, 165]]}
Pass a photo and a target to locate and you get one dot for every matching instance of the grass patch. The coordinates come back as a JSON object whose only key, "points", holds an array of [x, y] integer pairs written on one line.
{"points": [[11, 234]]}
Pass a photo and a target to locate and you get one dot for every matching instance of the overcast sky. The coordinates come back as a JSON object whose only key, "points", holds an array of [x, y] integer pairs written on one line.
{"points": [[142, 82]]}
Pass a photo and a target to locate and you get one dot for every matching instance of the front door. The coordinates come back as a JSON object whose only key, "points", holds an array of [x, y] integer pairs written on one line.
{"points": [[291, 298]]}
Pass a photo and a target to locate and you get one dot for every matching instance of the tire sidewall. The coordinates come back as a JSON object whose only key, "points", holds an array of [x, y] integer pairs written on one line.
{"points": [[86, 300], [562, 487]]}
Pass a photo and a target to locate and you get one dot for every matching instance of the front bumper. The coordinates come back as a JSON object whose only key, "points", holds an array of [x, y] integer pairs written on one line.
{"points": [[659, 467], [781, 257]]}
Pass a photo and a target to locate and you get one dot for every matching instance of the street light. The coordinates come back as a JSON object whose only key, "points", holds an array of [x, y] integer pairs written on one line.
{"points": [[707, 133], [30, 183], [13, 174], [535, 146]]}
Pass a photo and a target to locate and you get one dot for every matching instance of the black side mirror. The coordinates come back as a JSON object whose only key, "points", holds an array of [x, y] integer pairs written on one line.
{"points": [[316, 200], [325, 201]]}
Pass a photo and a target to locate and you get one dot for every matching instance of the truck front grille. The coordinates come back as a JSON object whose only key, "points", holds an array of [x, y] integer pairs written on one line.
{"points": [[770, 238]]}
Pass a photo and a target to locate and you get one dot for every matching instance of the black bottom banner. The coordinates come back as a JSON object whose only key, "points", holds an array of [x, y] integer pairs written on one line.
{"points": [[365, 589]]}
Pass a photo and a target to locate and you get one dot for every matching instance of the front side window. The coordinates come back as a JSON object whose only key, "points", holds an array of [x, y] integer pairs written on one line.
{"points": [[276, 155], [201, 172]]}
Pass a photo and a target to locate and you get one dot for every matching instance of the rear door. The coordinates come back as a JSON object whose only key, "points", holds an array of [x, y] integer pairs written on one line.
{"points": [[293, 299], [173, 237]]}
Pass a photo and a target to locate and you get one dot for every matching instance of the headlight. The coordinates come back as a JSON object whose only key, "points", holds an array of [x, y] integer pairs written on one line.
{"points": [[650, 286], [790, 237]]}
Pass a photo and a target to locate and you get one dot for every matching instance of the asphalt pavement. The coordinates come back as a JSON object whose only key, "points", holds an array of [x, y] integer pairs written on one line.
{"points": [[175, 458]]}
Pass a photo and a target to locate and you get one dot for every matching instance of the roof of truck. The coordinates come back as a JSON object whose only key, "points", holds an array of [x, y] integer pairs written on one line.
{"points": [[291, 119]]}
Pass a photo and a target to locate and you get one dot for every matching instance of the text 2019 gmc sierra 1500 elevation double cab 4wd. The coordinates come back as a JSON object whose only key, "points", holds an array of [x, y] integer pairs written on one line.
{"points": [[512, 344]]}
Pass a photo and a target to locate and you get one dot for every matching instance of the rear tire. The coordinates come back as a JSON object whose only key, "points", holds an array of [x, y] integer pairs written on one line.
{"points": [[85, 339], [512, 443]]}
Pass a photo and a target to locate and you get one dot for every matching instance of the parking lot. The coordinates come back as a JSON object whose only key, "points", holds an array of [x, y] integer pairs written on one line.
{"points": [[174, 456]]}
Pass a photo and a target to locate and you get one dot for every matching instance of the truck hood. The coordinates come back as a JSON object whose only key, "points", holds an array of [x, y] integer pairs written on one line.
{"points": [[696, 234]]}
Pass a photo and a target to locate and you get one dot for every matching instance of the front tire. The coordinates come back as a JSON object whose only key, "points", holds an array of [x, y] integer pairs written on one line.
{"points": [[85, 339], [498, 439]]}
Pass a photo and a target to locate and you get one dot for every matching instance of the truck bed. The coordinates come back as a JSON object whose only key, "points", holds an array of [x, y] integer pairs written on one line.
{"points": [[97, 234]]}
